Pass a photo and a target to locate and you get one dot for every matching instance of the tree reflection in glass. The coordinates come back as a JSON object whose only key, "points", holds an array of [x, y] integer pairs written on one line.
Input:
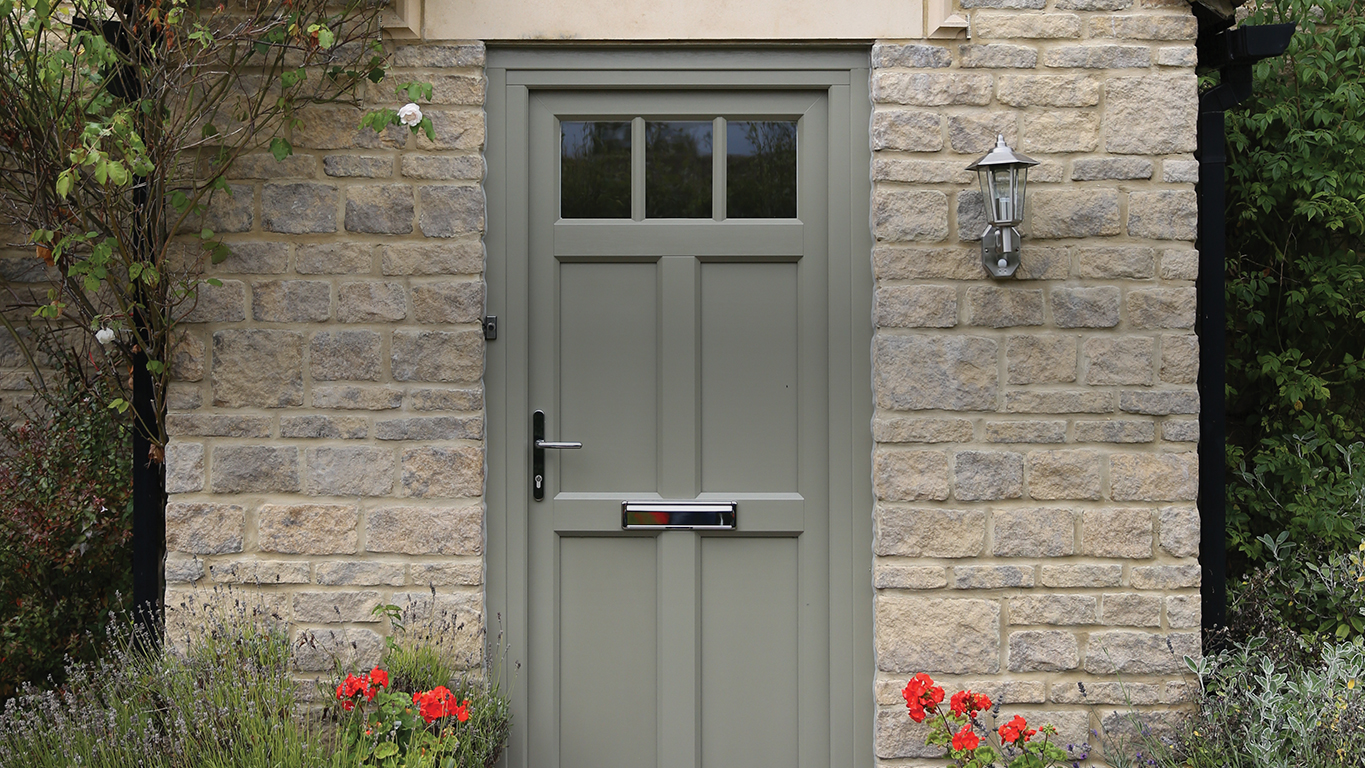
{"points": [[760, 169], [594, 171], [677, 170]]}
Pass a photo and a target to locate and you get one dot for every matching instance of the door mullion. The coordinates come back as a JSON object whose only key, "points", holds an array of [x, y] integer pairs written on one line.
{"points": [[679, 410], [679, 688], [637, 169], [718, 156]]}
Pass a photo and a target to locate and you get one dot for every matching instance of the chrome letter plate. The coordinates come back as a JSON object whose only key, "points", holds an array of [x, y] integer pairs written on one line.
{"points": [[693, 515]]}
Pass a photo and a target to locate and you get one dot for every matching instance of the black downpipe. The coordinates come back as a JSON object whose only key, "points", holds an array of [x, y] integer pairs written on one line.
{"points": [[1233, 52]]}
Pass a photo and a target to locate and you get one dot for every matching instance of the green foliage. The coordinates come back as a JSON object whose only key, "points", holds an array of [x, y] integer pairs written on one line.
{"points": [[1320, 598], [1296, 286], [65, 488]]}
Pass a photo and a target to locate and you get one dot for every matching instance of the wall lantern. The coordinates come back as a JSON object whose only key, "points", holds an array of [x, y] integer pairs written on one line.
{"points": [[1003, 174]]}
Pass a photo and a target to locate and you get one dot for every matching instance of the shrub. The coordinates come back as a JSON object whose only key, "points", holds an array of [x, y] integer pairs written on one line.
{"points": [[65, 488]]}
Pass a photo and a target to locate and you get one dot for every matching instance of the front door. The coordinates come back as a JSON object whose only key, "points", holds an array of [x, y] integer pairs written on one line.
{"points": [[678, 326]]}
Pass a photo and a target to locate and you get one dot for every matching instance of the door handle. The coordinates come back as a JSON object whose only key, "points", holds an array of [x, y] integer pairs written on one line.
{"points": [[539, 444]]}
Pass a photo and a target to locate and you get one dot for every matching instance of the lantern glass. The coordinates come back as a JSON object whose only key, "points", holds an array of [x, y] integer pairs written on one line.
{"points": [[1003, 187]]}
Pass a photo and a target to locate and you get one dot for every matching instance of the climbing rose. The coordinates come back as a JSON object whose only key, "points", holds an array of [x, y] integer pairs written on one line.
{"points": [[966, 738], [104, 335], [410, 115]]}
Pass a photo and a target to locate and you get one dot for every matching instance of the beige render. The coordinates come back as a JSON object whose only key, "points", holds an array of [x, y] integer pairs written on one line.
{"points": [[1035, 468]]}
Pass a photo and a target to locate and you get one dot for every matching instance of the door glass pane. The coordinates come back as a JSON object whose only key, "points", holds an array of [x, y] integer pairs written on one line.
{"points": [[677, 170], [594, 171], [760, 162]]}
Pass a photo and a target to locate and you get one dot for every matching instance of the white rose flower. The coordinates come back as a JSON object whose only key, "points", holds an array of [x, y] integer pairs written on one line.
{"points": [[410, 115], [104, 335]]}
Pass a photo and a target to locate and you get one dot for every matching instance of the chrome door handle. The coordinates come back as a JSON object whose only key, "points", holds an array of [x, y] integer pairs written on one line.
{"points": [[539, 444]]}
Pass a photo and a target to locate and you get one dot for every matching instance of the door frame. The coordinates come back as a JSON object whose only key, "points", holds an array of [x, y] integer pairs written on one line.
{"points": [[512, 74]]}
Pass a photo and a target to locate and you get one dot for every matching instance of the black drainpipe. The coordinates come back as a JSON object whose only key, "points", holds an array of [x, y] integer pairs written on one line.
{"points": [[1232, 51]]}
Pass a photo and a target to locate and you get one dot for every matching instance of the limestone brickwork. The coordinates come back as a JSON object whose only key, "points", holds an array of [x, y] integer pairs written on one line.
{"points": [[327, 425], [1035, 469]]}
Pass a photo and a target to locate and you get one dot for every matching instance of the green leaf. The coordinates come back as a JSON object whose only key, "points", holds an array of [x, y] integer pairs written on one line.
{"points": [[209, 130], [280, 148], [215, 282], [119, 404], [427, 128], [385, 749], [64, 180], [219, 253], [206, 234]]}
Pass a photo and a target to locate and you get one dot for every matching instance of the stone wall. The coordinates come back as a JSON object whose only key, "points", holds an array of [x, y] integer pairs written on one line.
{"points": [[327, 423], [1035, 467]]}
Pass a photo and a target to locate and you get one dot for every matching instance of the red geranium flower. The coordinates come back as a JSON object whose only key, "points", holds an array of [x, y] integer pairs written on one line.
{"points": [[921, 695], [440, 702], [966, 738], [379, 678], [969, 703], [1016, 730]]}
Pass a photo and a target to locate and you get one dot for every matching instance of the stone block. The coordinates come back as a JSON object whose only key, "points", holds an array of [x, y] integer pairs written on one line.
{"points": [[904, 130], [1122, 532], [448, 302], [257, 368], [448, 574], [1009, 691], [385, 209], [929, 532], [1180, 431], [901, 429], [1026, 431], [183, 569], [937, 635], [914, 56], [451, 211], [1092, 5], [464, 90], [992, 576], [291, 301], [335, 607], [930, 89], [217, 425], [1064, 475], [997, 56], [1129, 610], [1116, 262], [1129, 102], [1161, 308], [1179, 359], [898, 262], [299, 208], [1081, 576], [1160, 403], [368, 167], [443, 167], [432, 259], [1037, 26], [1034, 532], [976, 133], [886, 576], [187, 357], [1184, 611], [1179, 526], [1125, 693], [900, 475], [1043, 650], [321, 650], [1154, 476], [349, 471], [455, 619], [184, 467], [224, 303], [1145, 27], [254, 469], [183, 397], [345, 355], [897, 736], [1179, 265], [440, 56], [916, 306], [229, 210], [358, 398], [1085, 307], [1043, 263], [956, 373], [1119, 360], [1040, 359], [334, 258], [370, 302], [1115, 431], [1099, 56], [1075, 213], [1063, 401], [1180, 171], [338, 127], [1139, 653], [1167, 214], [1004, 307], [1066, 131], [1048, 90], [351, 572], [256, 259], [1164, 577], [447, 356], [436, 428], [971, 215], [261, 165], [1177, 56], [1058, 610], [988, 475], [454, 129], [445, 399], [426, 530], [259, 572], [432, 472], [907, 171], [910, 215], [204, 529], [333, 427], [308, 529], [1101, 168]]}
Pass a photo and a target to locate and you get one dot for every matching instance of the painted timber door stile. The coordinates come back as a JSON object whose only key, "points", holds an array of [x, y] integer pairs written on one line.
{"points": [[678, 326]]}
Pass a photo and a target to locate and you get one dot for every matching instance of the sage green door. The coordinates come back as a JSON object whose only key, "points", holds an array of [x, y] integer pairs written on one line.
{"points": [[678, 324]]}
